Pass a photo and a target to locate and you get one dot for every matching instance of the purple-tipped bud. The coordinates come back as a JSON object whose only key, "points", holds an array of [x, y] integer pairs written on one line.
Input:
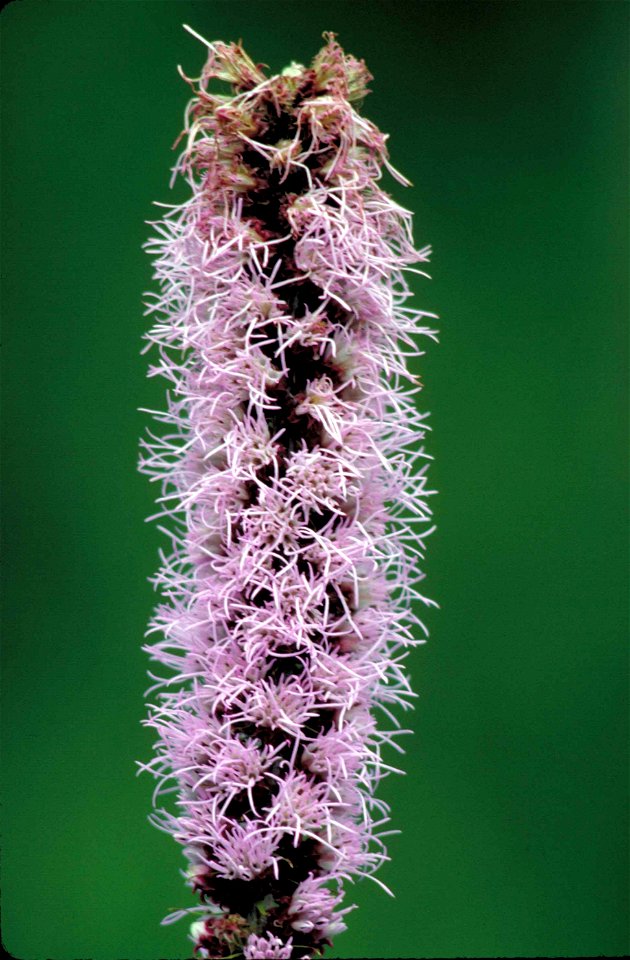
{"points": [[287, 463]]}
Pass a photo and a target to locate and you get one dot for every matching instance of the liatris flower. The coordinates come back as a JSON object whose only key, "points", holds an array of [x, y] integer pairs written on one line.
{"points": [[288, 459]]}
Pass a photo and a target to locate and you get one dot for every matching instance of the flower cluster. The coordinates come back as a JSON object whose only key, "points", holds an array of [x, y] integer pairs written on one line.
{"points": [[292, 476]]}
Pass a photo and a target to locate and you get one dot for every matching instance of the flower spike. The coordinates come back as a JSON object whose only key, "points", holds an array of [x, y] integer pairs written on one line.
{"points": [[293, 481]]}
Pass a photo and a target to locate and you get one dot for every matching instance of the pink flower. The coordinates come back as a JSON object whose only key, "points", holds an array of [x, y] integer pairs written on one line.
{"points": [[289, 460], [313, 908], [267, 947]]}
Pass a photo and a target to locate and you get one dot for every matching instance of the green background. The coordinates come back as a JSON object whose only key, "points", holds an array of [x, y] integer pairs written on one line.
{"points": [[510, 118]]}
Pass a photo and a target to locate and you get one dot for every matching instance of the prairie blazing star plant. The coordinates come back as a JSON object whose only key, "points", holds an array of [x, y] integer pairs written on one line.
{"points": [[292, 471]]}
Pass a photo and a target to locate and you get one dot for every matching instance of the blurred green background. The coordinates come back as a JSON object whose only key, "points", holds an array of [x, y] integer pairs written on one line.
{"points": [[510, 118]]}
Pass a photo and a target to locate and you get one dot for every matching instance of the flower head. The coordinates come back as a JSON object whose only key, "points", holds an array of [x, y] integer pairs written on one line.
{"points": [[287, 464], [267, 947]]}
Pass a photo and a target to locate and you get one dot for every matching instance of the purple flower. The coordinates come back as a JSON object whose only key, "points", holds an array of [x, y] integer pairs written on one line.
{"points": [[259, 948], [292, 472]]}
